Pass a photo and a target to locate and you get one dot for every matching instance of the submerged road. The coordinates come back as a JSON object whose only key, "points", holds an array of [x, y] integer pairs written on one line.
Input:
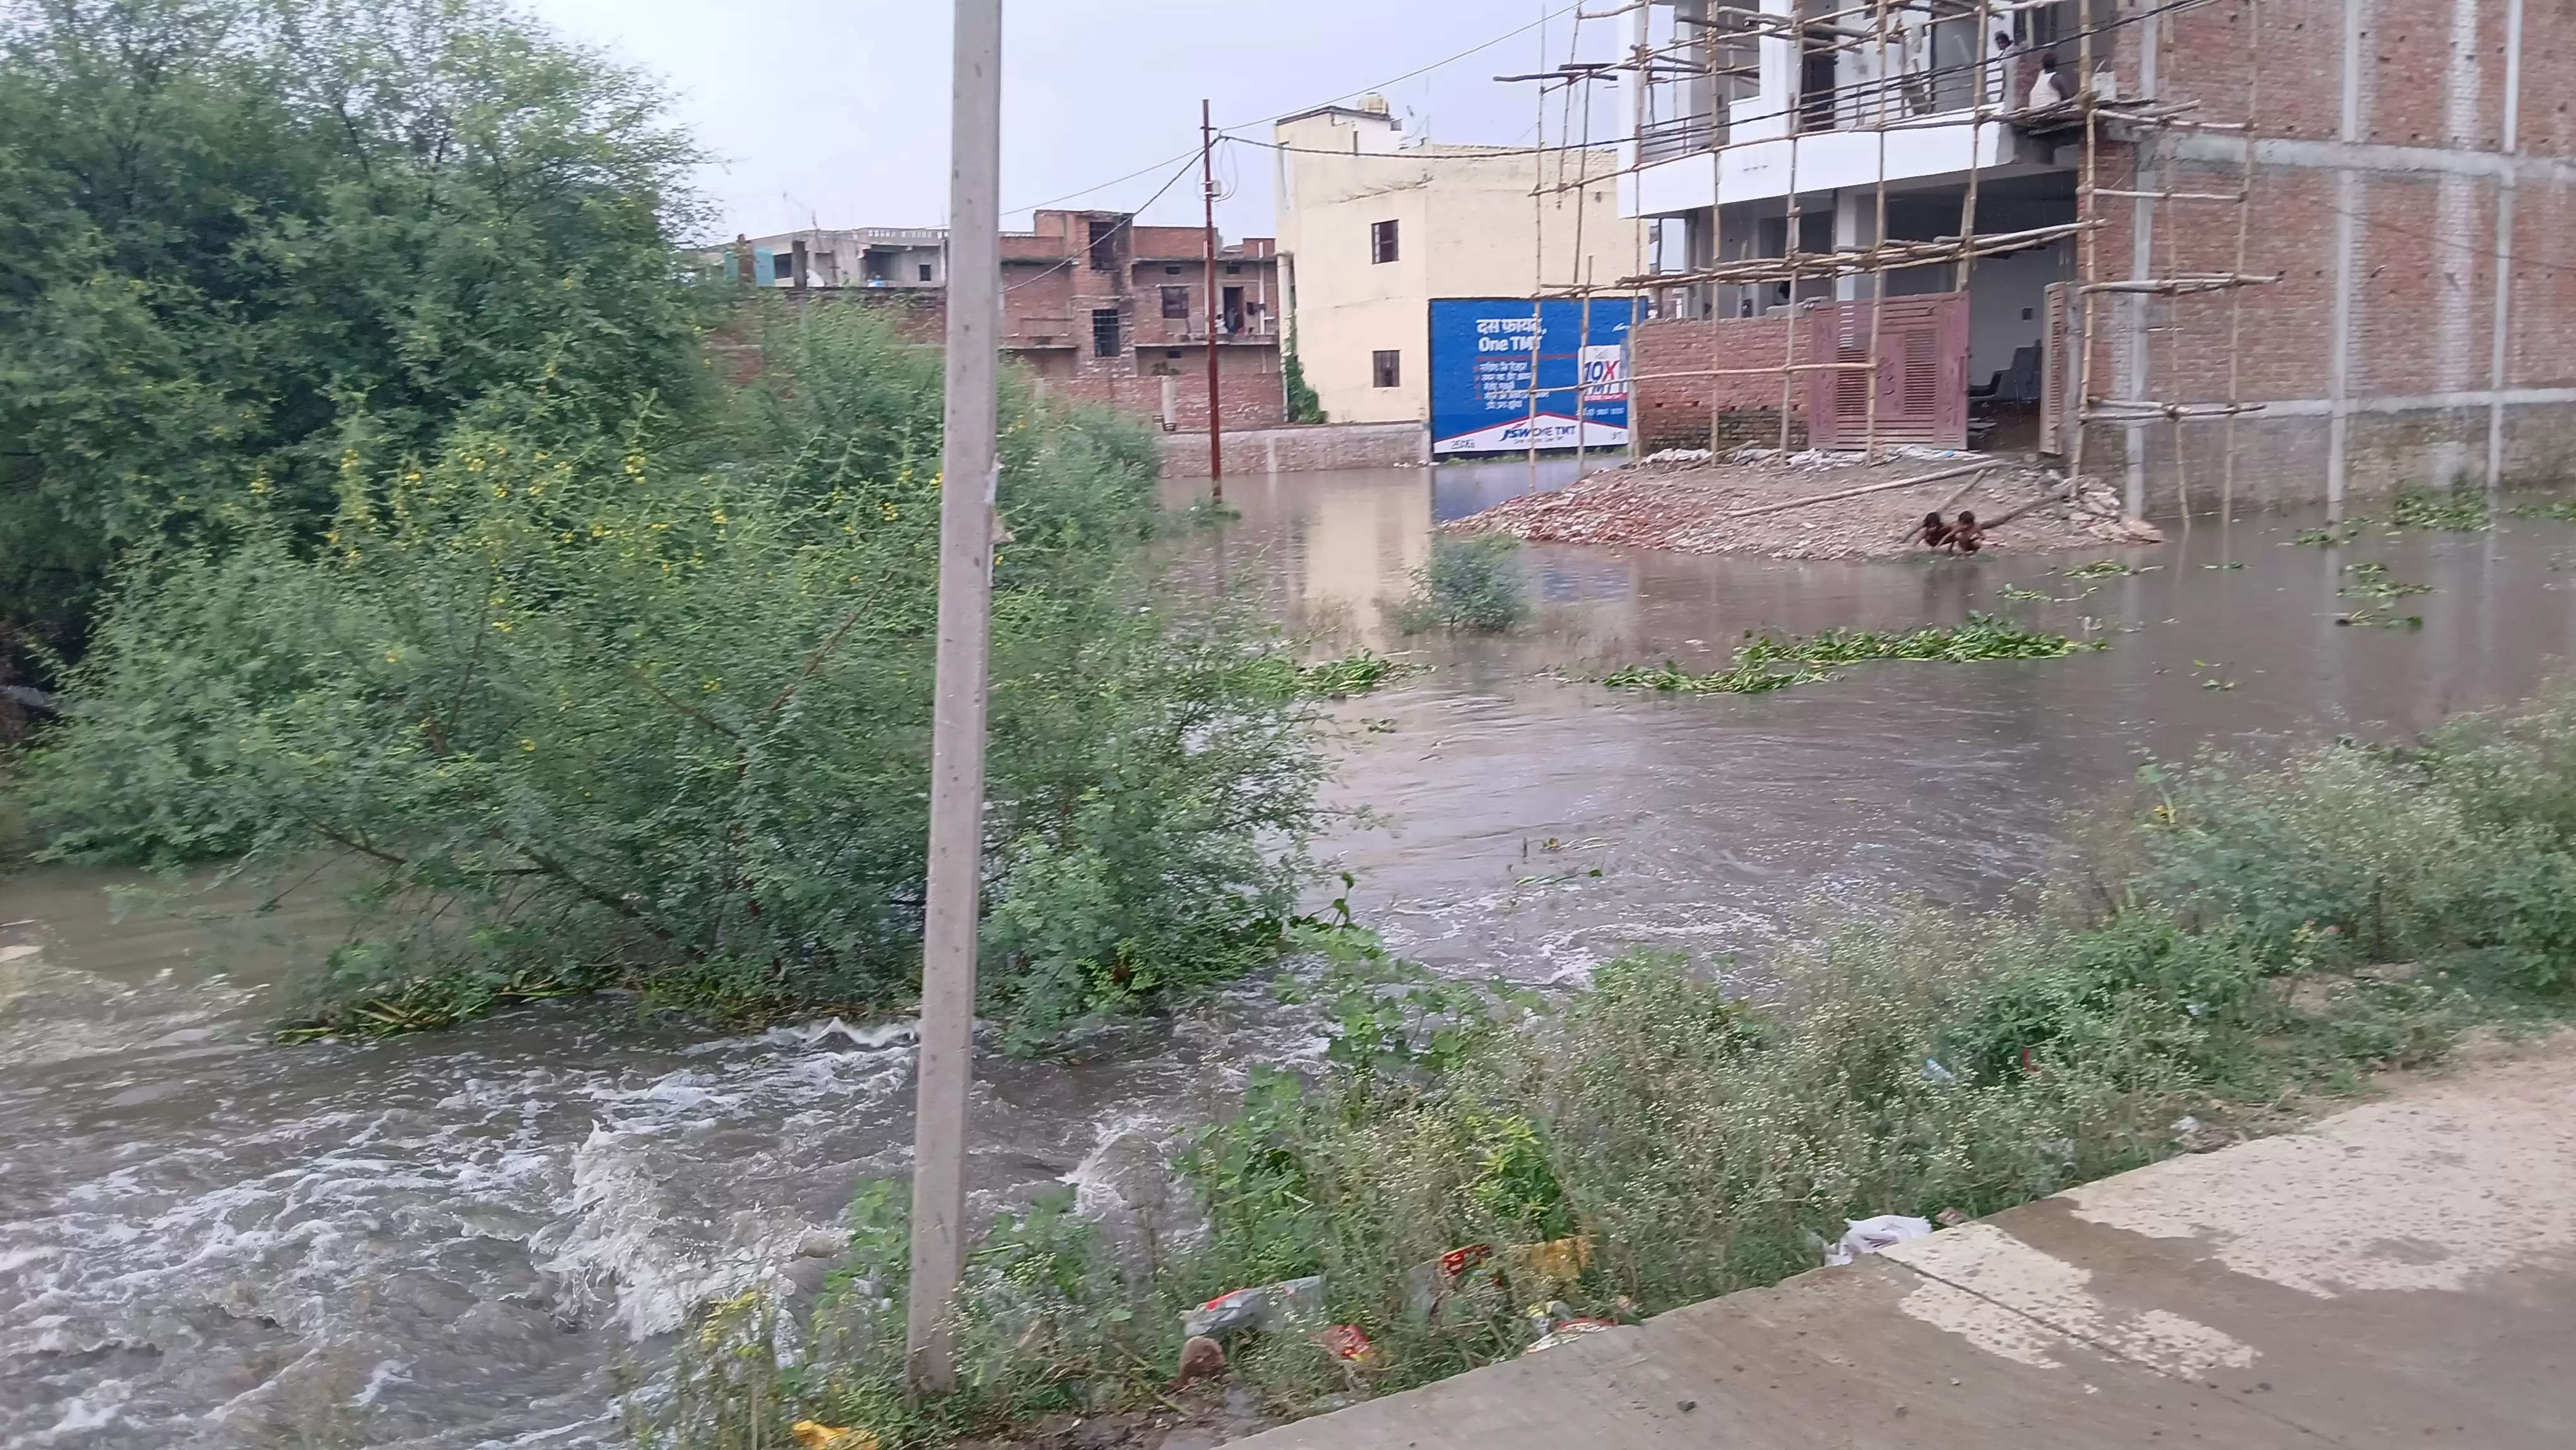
{"points": [[2401, 1274]]}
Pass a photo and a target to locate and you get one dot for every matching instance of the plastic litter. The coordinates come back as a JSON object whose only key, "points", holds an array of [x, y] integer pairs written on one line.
{"points": [[1566, 1331], [1562, 1260], [1429, 1283], [1872, 1235], [1256, 1310], [1346, 1343], [1201, 1358], [815, 1435], [1935, 1072]]}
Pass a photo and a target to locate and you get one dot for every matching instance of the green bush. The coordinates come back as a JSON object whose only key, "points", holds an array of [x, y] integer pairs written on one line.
{"points": [[655, 706], [1471, 583]]}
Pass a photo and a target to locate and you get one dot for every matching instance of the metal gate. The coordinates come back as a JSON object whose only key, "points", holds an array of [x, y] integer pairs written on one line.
{"points": [[1921, 382]]}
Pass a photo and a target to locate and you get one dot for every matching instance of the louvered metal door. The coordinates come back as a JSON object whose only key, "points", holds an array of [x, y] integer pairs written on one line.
{"points": [[1920, 384]]}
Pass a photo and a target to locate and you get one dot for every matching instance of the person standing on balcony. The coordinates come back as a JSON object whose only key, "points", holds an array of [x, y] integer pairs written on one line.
{"points": [[2048, 90]]}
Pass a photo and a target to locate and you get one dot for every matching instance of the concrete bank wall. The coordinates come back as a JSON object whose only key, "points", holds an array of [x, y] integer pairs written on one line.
{"points": [[1307, 449]]}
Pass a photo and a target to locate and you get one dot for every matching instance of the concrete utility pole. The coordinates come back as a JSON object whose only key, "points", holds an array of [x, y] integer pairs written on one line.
{"points": [[970, 467], [1207, 185]]}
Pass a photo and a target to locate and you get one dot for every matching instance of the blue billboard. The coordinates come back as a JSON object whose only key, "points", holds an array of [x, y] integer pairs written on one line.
{"points": [[1488, 354]]}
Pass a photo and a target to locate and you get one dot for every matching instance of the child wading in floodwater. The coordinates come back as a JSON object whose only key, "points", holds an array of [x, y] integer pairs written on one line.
{"points": [[1965, 536], [1935, 533]]}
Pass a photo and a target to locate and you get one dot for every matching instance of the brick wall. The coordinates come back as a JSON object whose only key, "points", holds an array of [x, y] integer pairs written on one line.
{"points": [[1670, 396], [1307, 448], [2417, 367], [1248, 380]]}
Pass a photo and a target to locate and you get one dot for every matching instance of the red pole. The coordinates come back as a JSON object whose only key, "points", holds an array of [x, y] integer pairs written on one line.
{"points": [[1207, 186]]}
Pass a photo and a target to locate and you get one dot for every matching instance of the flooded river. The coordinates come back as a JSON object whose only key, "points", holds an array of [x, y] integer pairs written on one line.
{"points": [[455, 1240]]}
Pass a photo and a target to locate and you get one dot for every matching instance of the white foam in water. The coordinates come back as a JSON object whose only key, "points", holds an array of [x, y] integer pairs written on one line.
{"points": [[586, 1193]]}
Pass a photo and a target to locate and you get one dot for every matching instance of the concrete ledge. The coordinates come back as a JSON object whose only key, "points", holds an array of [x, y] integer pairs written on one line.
{"points": [[1307, 448], [2401, 1274]]}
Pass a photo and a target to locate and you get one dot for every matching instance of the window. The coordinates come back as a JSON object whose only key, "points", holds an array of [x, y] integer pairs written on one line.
{"points": [[925, 271], [1176, 302], [1381, 241], [1171, 269], [1234, 269], [1104, 333], [1388, 367], [1104, 246]]}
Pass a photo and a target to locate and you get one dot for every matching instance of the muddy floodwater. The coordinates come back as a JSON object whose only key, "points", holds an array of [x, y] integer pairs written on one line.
{"points": [[457, 1239]]}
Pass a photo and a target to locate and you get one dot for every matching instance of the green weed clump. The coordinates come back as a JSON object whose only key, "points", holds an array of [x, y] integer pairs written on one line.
{"points": [[2103, 569], [2252, 937], [2457, 511], [2330, 537], [2373, 581], [1468, 583], [1774, 662], [1339, 679]]}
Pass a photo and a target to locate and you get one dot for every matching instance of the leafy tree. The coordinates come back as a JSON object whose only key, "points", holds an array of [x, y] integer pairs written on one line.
{"points": [[240, 239], [652, 704]]}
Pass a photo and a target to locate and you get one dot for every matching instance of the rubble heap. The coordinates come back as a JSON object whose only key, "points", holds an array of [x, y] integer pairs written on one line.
{"points": [[1698, 505]]}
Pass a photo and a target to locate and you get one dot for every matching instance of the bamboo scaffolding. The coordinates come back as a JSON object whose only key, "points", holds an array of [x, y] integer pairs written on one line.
{"points": [[1891, 99]]}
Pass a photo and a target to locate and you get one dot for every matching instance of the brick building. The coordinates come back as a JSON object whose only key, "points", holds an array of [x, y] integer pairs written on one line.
{"points": [[1097, 307], [1111, 312], [2408, 196]]}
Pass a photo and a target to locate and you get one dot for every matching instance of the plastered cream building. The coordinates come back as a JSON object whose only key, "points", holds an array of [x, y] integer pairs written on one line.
{"points": [[1372, 229]]}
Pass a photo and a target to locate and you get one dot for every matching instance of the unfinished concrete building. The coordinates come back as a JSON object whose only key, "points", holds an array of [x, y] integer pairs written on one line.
{"points": [[2230, 252]]}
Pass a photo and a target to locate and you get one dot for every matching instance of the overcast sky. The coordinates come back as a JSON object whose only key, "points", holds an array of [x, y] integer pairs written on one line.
{"points": [[837, 115]]}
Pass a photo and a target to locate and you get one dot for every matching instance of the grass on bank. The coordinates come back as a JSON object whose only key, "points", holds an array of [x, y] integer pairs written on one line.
{"points": [[2252, 938], [1777, 662]]}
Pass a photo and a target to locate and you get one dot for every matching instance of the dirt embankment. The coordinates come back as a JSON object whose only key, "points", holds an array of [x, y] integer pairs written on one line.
{"points": [[1732, 505]]}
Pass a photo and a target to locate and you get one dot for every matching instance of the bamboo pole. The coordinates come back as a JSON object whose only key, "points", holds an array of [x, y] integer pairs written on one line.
{"points": [[1982, 465]]}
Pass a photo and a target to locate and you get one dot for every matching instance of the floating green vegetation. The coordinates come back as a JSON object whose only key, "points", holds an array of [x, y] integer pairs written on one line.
{"points": [[2457, 511], [2330, 537], [2016, 594], [2372, 581], [1774, 662], [1739, 678], [2104, 569], [2380, 619], [1355, 675], [2563, 510]]}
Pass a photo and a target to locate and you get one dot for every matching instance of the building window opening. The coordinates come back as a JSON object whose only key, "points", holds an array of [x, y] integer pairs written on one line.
{"points": [[1816, 81], [880, 267], [1231, 308], [1176, 302], [1387, 369], [1234, 269], [1382, 246], [925, 272], [1104, 246], [1104, 333], [1171, 269]]}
